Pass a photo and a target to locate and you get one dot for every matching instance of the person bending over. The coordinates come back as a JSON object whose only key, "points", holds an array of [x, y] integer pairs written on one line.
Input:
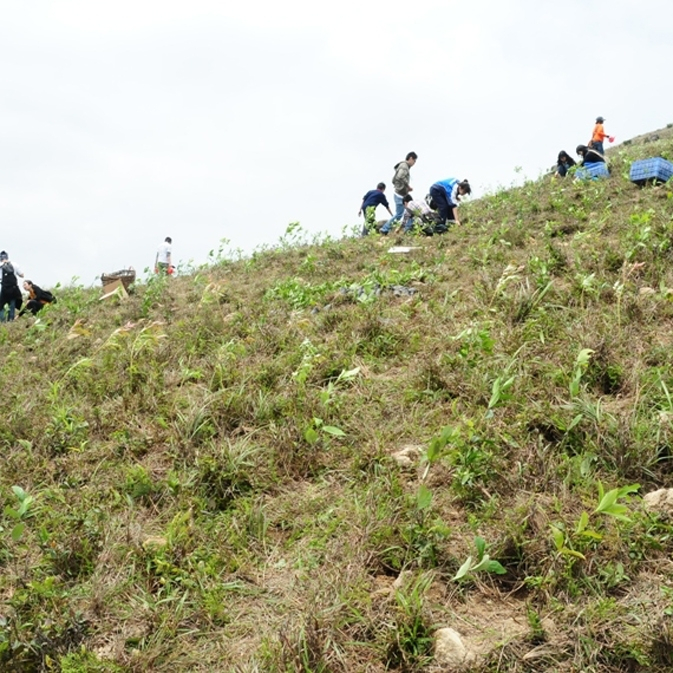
{"points": [[37, 298], [417, 215], [370, 201], [589, 155], [446, 195]]}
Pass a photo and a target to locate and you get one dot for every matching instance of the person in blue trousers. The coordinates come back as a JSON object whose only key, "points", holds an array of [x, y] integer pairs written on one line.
{"points": [[402, 188], [446, 195]]}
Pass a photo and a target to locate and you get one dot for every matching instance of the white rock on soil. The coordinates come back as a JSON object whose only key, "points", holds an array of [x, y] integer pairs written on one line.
{"points": [[407, 456], [450, 650], [402, 578], [660, 501]]}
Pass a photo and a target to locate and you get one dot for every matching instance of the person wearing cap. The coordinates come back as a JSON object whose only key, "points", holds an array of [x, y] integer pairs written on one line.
{"points": [[10, 294], [598, 136]]}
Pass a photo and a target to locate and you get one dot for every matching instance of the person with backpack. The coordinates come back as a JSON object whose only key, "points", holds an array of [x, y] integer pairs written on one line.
{"points": [[10, 294], [370, 201], [589, 155], [37, 298], [402, 188], [446, 195]]}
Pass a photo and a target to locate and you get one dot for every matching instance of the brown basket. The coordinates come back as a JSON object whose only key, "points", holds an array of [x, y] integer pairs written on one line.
{"points": [[127, 277]]}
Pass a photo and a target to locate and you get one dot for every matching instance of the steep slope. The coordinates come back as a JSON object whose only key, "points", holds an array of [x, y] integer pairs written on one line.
{"points": [[209, 473]]}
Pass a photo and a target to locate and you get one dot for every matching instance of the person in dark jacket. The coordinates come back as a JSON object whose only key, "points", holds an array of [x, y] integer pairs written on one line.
{"points": [[588, 155], [10, 295], [37, 298], [370, 201], [564, 163]]}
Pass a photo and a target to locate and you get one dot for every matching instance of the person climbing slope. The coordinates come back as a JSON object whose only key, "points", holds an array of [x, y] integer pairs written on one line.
{"points": [[402, 188], [370, 201]]}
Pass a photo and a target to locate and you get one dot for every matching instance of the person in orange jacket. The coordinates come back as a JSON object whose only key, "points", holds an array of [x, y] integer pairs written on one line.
{"points": [[598, 136], [37, 298]]}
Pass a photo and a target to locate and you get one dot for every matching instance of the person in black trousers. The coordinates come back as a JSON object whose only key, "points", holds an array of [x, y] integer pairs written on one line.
{"points": [[37, 298]]}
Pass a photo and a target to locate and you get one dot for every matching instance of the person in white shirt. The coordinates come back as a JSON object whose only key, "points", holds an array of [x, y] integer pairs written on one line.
{"points": [[10, 294], [163, 263], [416, 214]]}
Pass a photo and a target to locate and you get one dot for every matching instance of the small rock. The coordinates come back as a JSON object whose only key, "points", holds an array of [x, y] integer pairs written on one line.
{"points": [[450, 650], [155, 542], [403, 291], [659, 501], [401, 579], [665, 417], [407, 456]]}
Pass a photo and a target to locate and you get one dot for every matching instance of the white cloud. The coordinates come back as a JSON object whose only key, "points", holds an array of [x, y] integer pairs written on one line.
{"points": [[122, 123]]}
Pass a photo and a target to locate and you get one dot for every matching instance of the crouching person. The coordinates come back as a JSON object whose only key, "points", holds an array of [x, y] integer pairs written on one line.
{"points": [[446, 195], [37, 298], [370, 201], [417, 216]]}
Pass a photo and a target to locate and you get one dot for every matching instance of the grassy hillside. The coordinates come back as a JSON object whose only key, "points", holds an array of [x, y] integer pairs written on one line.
{"points": [[283, 463]]}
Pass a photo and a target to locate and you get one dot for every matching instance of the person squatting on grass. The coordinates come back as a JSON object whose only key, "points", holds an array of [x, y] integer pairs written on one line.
{"points": [[402, 188], [162, 262], [564, 163], [589, 155], [37, 298], [417, 215], [370, 201], [446, 196], [10, 294]]}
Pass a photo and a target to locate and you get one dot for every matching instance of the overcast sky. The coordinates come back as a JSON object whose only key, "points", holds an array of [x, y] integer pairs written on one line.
{"points": [[124, 122]]}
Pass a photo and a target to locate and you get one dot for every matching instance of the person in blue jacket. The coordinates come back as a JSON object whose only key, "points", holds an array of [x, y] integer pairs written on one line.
{"points": [[446, 195], [370, 201]]}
